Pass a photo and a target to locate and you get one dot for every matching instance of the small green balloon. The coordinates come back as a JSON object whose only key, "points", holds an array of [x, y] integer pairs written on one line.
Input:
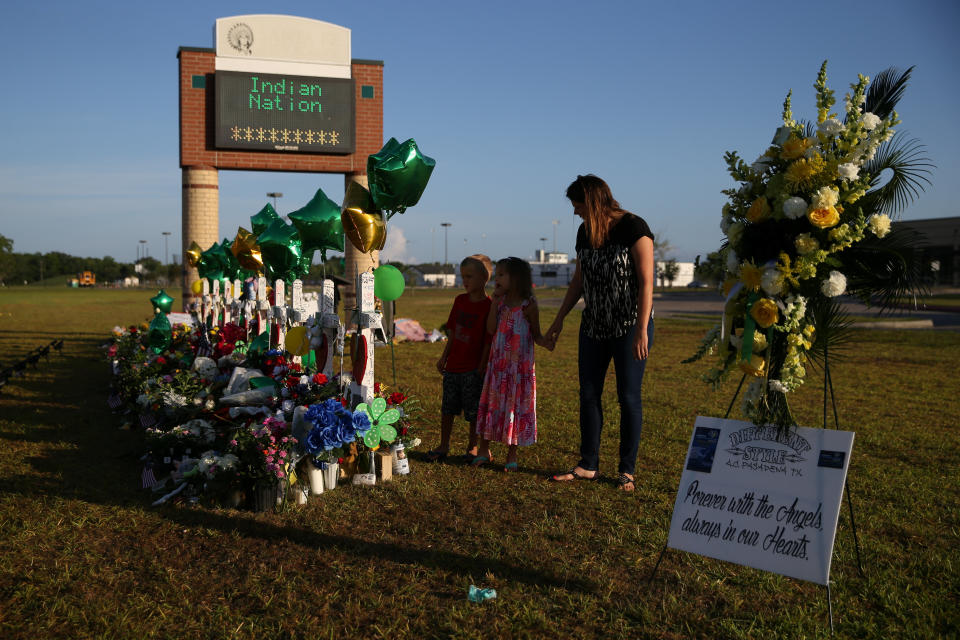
{"points": [[162, 301], [388, 282]]}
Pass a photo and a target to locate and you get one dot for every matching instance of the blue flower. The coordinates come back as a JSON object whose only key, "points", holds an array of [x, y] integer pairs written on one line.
{"points": [[361, 422]]}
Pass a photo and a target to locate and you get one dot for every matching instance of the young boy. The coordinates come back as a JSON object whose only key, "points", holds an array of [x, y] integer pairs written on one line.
{"points": [[464, 357]]}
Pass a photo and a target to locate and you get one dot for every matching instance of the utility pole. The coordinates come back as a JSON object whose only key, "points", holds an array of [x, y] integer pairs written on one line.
{"points": [[446, 227]]}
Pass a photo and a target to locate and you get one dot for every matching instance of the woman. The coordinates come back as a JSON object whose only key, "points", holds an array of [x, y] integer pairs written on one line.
{"points": [[614, 274]]}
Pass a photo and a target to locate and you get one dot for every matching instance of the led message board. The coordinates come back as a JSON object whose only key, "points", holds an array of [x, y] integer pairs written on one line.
{"points": [[270, 112]]}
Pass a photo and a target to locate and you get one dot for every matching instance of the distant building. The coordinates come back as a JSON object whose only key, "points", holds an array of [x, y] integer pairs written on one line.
{"points": [[432, 276], [939, 248], [684, 275]]}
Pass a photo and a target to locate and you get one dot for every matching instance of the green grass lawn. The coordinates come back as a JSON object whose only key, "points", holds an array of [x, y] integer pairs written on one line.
{"points": [[84, 554]]}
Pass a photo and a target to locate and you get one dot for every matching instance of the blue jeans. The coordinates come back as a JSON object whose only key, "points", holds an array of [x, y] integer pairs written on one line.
{"points": [[594, 360]]}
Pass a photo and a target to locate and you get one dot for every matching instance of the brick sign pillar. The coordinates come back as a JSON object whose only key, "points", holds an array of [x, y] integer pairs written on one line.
{"points": [[201, 205]]}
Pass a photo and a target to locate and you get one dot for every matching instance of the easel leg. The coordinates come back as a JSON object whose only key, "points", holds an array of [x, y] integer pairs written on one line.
{"points": [[656, 566], [830, 606], [828, 386], [734, 398]]}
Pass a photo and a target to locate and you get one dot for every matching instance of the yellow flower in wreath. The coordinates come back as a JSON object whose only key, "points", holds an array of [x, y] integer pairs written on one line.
{"points": [[823, 218], [764, 312], [759, 210], [795, 147], [751, 276], [754, 367]]}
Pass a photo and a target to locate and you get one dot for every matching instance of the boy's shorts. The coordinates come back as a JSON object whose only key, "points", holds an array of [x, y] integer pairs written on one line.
{"points": [[461, 393]]}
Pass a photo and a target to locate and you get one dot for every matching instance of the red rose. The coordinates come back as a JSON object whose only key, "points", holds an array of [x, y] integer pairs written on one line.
{"points": [[376, 387], [403, 431], [292, 381], [343, 401], [396, 398], [319, 379], [294, 366]]}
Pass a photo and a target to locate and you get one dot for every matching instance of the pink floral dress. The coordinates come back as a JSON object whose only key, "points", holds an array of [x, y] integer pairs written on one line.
{"points": [[508, 403]]}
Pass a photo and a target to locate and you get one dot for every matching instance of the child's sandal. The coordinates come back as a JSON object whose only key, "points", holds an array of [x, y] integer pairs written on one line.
{"points": [[510, 467], [623, 480]]}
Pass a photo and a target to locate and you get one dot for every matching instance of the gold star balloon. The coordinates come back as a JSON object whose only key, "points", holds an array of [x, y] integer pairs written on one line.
{"points": [[193, 254], [247, 251], [362, 224]]}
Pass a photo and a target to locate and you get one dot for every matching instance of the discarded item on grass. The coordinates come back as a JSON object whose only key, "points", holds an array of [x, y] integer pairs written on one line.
{"points": [[476, 594]]}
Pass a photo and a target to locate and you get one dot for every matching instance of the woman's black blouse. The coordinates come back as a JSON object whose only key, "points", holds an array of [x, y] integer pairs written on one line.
{"points": [[610, 286]]}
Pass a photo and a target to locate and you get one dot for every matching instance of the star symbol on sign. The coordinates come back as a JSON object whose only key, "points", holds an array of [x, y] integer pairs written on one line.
{"points": [[260, 134], [273, 135], [285, 135], [235, 133], [333, 137], [248, 134], [298, 136], [309, 136], [321, 137]]}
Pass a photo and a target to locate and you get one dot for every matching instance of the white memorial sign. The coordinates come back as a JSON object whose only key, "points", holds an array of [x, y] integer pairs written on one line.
{"points": [[750, 497]]}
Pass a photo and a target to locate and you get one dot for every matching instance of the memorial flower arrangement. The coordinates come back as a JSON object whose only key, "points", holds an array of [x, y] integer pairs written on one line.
{"points": [[810, 221], [208, 448]]}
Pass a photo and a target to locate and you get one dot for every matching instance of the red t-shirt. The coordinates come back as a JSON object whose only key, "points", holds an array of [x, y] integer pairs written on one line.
{"points": [[467, 326]]}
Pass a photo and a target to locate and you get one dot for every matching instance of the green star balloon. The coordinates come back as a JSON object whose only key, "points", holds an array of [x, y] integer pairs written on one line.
{"points": [[162, 301], [263, 218], [211, 265], [282, 251], [159, 334], [319, 225], [397, 175]]}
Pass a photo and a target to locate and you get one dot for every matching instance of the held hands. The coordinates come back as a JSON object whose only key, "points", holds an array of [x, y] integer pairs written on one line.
{"points": [[553, 333]]}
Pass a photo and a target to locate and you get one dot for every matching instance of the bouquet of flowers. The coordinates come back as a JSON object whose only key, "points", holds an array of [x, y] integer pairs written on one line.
{"points": [[334, 428], [265, 451], [808, 223]]}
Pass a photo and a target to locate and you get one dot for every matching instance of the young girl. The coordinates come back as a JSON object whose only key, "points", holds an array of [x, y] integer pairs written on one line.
{"points": [[508, 403]]}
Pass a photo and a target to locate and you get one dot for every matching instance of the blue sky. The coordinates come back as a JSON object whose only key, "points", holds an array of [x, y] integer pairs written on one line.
{"points": [[513, 100]]}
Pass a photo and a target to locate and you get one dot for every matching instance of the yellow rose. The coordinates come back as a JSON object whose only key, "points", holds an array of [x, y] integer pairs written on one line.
{"points": [[759, 342], [794, 147], [823, 218], [754, 367], [759, 210], [765, 312]]}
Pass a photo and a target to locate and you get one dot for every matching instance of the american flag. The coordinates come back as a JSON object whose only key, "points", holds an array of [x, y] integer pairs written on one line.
{"points": [[204, 348], [148, 481]]}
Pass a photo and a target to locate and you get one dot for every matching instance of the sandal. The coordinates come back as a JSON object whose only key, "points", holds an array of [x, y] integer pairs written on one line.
{"points": [[435, 455], [479, 461], [576, 476], [510, 467], [623, 480]]}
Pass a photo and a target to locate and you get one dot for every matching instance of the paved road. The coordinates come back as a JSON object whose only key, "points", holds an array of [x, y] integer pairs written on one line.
{"points": [[708, 302]]}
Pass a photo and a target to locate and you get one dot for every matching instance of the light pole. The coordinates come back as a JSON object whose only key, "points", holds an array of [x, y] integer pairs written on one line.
{"points": [[543, 249], [166, 256], [143, 252], [446, 227], [555, 223], [275, 195]]}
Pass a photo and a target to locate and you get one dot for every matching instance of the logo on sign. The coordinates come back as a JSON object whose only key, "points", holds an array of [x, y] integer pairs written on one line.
{"points": [[240, 38], [764, 449]]}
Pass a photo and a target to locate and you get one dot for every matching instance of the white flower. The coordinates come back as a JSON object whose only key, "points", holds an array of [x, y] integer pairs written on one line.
{"points": [[870, 121], [830, 127], [735, 232], [733, 262], [776, 385], [848, 171], [879, 224], [826, 197], [287, 406], [835, 285], [771, 281], [795, 208], [811, 151], [174, 399]]}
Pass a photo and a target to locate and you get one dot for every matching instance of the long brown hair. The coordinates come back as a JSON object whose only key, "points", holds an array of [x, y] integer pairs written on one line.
{"points": [[600, 206], [521, 278]]}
